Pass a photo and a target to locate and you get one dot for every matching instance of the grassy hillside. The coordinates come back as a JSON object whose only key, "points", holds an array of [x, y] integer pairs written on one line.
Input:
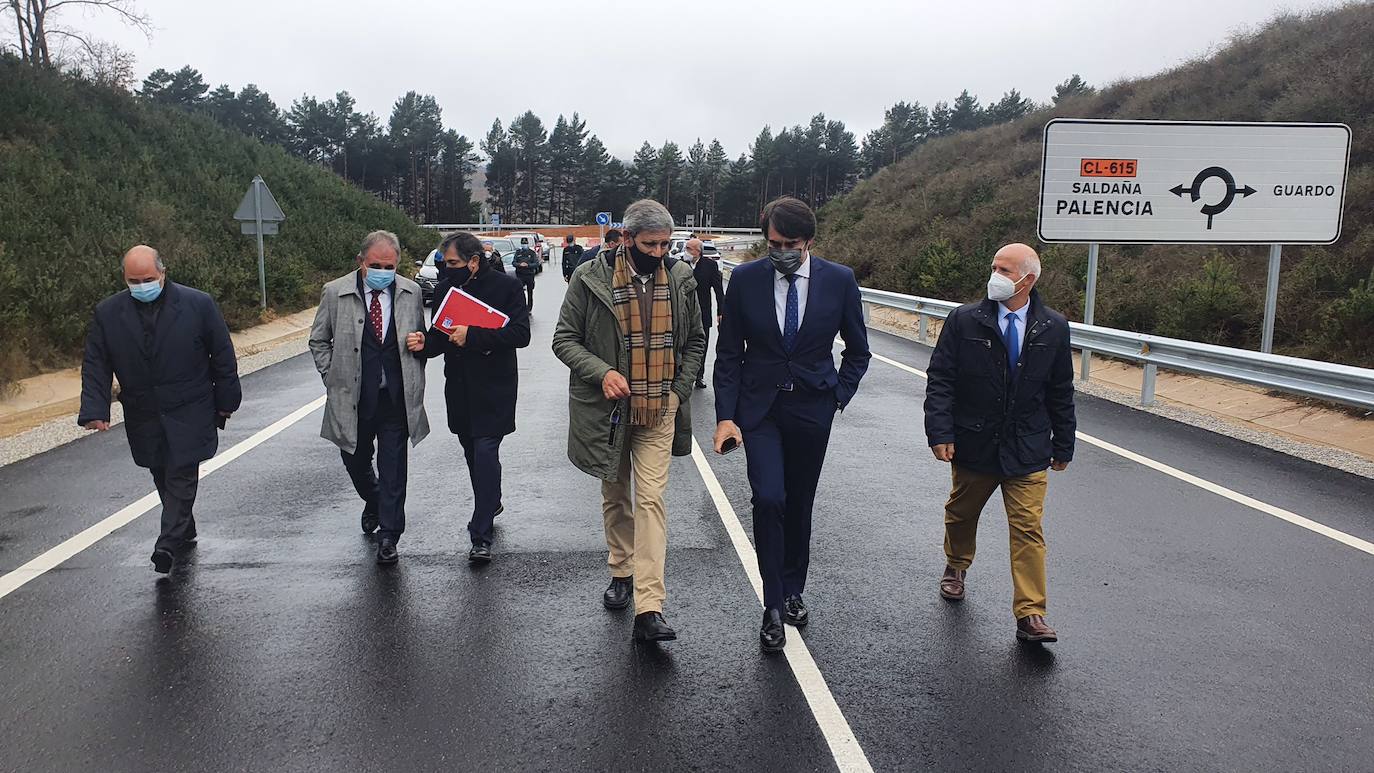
{"points": [[930, 223], [88, 172]]}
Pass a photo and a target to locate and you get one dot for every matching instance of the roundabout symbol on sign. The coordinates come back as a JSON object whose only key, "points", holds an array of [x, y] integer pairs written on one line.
{"points": [[1195, 192]]}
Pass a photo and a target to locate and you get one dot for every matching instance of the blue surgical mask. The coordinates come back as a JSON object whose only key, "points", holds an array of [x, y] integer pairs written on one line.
{"points": [[146, 292], [380, 279]]}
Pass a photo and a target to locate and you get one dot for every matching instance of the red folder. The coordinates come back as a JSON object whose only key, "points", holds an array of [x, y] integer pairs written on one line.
{"points": [[460, 308]]}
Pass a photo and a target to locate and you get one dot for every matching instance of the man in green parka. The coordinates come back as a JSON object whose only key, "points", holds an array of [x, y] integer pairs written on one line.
{"points": [[630, 332]]}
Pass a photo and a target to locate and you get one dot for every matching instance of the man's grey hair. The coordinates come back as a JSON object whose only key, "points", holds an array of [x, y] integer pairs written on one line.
{"points": [[379, 237], [647, 216], [157, 261], [1030, 265]]}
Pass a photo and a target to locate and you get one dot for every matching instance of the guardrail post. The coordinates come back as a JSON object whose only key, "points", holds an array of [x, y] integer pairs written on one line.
{"points": [[1147, 384], [920, 327], [868, 312]]}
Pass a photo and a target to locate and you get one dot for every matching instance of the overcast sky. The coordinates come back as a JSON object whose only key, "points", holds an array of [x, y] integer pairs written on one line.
{"points": [[674, 70]]}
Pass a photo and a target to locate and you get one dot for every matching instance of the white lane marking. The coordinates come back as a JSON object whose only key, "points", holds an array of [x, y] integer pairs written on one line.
{"points": [[844, 747], [1202, 483], [54, 557]]}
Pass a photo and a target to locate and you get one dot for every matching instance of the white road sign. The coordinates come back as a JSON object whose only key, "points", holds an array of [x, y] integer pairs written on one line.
{"points": [[1180, 182]]}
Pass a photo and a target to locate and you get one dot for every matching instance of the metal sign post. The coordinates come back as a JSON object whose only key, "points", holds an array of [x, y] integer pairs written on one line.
{"points": [[258, 214], [1089, 305], [1271, 298]]}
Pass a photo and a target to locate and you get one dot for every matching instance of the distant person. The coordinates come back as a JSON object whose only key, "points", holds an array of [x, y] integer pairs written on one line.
{"points": [[526, 266], [777, 393], [709, 280], [493, 256], [375, 390], [481, 377], [572, 256], [999, 408], [630, 333], [178, 381], [611, 242]]}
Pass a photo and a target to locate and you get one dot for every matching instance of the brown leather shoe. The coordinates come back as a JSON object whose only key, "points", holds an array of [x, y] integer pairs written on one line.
{"points": [[952, 583], [1034, 628]]}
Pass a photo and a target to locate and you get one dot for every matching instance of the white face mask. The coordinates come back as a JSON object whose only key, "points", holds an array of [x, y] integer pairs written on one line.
{"points": [[1001, 288]]}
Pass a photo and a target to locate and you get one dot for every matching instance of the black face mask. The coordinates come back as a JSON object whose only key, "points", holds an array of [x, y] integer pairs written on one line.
{"points": [[644, 262], [786, 262]]}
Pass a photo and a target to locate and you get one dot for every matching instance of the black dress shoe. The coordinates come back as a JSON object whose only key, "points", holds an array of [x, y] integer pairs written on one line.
{"points": [[620, 593], [651, 626], [499, 509], [163, 560], [480, 553], [386, 551], [370, 521], [796, 611], [700, 385], [772, 636]]}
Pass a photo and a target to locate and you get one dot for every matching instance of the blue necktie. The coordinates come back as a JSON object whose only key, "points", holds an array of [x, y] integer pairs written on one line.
{"points": [[1013, 343], [792, 319]]}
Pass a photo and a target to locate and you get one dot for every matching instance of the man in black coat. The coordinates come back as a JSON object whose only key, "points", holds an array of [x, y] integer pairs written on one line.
{"points": [[480, 377], [526, 266], [709, 281], [178, 380], [609, 246], [572, 257], [999, 408]]}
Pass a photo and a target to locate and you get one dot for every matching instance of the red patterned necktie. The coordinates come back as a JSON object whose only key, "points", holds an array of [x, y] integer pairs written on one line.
{"points": [[375, 313]]}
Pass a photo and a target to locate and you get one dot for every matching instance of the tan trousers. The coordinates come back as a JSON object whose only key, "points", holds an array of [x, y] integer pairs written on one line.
{"points": [[636, 520], [1024, 499]]}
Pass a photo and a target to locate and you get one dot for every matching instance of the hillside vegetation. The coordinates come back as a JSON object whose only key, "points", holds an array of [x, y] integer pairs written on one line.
{"points": [[88, 171], [930, 223]]}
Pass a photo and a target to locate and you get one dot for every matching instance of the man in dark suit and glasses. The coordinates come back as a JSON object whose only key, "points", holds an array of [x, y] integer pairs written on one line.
{"points": [[777, 392], [178, 381], [709, 282]]}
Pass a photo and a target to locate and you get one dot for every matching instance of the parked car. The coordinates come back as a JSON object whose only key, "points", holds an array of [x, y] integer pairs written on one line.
{"points": [[428, 275]]}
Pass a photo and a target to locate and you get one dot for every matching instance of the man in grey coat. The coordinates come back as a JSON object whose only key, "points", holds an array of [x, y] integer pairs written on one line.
{"points": [[366, 340]]}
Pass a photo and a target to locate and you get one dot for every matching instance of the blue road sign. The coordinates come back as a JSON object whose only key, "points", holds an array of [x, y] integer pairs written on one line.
{"points": [[617, 225], [495, 219], [603, 218]]}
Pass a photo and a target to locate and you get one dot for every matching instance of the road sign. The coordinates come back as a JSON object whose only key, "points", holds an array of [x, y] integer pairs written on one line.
{"points": [[602, 218], [258, 215], [691, 221], [495, 219], [617, 225], [1181, 182]]}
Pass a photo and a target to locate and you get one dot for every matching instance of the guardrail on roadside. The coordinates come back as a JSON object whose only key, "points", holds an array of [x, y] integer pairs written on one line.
{"points": [[1329, 381], [529, 226]]}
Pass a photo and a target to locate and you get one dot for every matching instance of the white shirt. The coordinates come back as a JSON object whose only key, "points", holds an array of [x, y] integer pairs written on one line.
{"points": [[1002, 312], [385, 298], [780, 294]]}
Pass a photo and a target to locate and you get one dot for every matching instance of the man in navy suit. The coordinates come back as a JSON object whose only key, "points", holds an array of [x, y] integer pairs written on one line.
{"points": [[777, 392]]}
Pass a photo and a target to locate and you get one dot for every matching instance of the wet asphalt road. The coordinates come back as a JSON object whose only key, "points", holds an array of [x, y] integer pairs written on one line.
{"points": [[1196, 633]]}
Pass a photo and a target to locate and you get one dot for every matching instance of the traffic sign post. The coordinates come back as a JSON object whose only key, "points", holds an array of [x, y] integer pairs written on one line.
{"points": [[1192, 182], [603, 219], [258, 214]]}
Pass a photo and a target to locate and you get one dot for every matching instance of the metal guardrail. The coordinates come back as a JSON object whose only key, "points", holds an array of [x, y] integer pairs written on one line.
{"points": [[1344, 384], [530, 226]]}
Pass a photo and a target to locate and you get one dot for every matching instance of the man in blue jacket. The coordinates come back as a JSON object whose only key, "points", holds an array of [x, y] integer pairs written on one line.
{"points": [[999, 409], [178, 381], [777, 392]]}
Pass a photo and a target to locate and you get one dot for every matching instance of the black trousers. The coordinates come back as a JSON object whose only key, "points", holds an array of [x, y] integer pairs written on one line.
{"points": [[484, 469], [383, 491], [784, 457], [528, 281], [176, 486]]}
